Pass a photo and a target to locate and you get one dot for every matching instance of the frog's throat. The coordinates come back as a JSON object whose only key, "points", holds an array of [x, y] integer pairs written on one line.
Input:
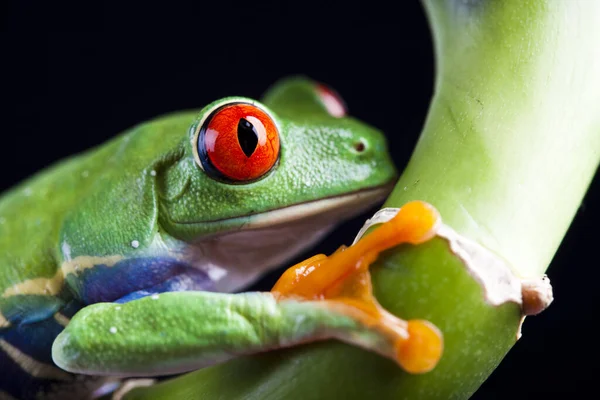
{"points": [[344, 205], [254, 245]]}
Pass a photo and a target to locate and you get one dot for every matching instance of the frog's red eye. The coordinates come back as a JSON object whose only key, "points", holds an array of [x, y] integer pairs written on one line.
{"points": [[238, 142], [331, 100]]}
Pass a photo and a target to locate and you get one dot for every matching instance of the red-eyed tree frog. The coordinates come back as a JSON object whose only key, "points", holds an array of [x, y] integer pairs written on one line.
{"points": [[200, 203]]}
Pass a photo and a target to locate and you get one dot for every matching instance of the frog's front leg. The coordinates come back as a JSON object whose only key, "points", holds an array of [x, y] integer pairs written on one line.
{"points": [[177, 332], [319, 299]]}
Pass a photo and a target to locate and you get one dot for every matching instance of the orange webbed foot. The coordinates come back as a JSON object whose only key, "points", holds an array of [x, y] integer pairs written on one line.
{"points": [[343, 278]]}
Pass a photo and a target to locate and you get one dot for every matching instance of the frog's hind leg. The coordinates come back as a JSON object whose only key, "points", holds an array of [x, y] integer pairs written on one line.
{"points": [[128, 385], [28, 371]]}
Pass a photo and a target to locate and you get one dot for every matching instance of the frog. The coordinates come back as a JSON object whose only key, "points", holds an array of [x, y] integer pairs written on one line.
{"points": [[200, 202]]}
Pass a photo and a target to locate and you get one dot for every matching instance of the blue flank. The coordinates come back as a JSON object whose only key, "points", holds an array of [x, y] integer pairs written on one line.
{"points": [[33, 327], [192, 280], [101, 283], [34, 340]]}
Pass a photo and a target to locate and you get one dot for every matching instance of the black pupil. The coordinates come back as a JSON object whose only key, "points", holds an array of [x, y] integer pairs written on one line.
{"points": [[247, 136]]}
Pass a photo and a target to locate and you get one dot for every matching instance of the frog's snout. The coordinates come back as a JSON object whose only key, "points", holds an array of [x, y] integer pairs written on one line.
{"points": [[368, 148]]}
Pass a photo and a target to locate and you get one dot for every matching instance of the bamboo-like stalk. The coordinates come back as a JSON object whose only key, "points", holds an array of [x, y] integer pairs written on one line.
{"points": [[511, 142]]}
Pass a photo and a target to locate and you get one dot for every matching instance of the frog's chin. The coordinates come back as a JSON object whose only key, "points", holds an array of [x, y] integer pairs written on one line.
{"points": [[235, 259]]}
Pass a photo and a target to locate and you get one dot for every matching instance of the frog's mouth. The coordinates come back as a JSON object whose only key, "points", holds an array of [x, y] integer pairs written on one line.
{"points": [[340, 206]]}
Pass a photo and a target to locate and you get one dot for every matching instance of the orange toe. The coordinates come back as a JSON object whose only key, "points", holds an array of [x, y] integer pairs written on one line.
{"points": [[422, 350]]}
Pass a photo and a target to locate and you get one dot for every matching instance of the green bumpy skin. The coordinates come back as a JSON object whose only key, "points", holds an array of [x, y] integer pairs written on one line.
{"points": [[139, 216]]}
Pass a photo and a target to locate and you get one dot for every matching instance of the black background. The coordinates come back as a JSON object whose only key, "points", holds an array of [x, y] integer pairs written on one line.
{"points": [[76, 75]]}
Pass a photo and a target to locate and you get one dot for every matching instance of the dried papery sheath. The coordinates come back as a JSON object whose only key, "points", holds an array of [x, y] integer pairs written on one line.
{"points": [[499, 284]]}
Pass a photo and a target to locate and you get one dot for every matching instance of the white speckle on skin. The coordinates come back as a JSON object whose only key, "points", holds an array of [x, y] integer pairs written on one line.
{"points": [[66, 250], [117, 308], [85, 174], [27, 191], [215, 273], [113, 329], [154, 297], [153, 173], [135, 244]]}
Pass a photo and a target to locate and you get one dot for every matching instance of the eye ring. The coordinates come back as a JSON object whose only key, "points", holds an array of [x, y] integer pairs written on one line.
{"points": [[236, 142]]}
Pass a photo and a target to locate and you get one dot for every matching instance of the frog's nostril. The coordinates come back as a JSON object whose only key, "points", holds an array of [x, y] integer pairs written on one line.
{"points": [[360, 146]]}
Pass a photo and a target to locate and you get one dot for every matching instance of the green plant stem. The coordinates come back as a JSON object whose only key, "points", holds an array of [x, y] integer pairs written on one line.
{"points": [[510, 145]]}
